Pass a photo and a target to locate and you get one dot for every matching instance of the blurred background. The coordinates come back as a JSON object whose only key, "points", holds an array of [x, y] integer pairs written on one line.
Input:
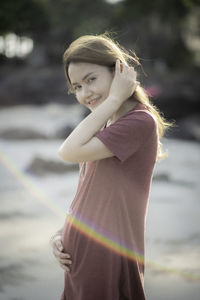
{"points": [[37, 114]]}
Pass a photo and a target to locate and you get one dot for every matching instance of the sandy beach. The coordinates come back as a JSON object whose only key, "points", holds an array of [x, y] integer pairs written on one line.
{"points": [[34, 200]]}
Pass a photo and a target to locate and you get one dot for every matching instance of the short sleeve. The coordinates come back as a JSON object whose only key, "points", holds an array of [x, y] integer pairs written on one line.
{"points": [[124, 137]]}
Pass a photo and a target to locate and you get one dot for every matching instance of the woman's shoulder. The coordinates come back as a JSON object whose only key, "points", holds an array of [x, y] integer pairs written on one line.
{"points": [[140, 112], [136, 116], [140, 118]]}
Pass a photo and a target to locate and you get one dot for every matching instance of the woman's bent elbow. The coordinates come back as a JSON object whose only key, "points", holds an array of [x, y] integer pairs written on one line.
{"points": [[68, 157], [63, 155]]}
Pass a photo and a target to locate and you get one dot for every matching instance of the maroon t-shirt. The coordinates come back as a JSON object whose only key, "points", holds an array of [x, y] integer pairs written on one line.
{"points": [[112, 195]]}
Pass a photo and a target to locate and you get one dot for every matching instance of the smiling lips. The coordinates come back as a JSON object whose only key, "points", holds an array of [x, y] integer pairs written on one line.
{"points": [[93, 102]]}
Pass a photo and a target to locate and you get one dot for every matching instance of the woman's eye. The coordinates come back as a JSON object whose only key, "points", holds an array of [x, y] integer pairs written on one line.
{"points": [[91, 79], [77, 87]]}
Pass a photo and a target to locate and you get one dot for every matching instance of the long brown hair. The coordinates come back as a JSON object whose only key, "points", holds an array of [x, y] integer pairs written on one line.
{"points": [[102, 50]]}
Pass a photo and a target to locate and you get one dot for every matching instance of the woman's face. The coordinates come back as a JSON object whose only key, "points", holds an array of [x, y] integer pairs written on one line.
{"points": [[91, 83]]}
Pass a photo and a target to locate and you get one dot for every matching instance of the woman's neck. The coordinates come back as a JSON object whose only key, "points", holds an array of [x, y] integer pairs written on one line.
{"points": [[124, 108]]}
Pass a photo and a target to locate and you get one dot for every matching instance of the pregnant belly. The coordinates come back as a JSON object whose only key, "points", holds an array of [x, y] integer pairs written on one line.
{"points": [[76, 244], [68, 237]]}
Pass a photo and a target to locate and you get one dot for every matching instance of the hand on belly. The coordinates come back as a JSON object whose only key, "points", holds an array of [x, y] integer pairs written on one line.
{"points": [[63, 258]]}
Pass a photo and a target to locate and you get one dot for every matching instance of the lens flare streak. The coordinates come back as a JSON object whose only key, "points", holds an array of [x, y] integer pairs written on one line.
{"points": [[103, 240], [28, 183], [83, 227]]}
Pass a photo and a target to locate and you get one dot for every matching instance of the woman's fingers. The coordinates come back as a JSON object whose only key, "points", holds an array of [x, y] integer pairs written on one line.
{"points": [[117, 66], [61, 255], [124, 82], [65, 261], [65, 264], [63, 258], [123, 69], [59, 244], [58, 248], [66, 268]]}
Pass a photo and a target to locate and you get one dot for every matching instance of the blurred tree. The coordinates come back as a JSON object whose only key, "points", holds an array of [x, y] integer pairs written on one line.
{"points": [[77, 17], [167, 10], [23, 17], [158, 24], [54, 23], [72, 18]]}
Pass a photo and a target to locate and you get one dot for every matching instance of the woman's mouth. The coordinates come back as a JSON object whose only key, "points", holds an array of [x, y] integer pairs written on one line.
{"points": [[94, 102]]}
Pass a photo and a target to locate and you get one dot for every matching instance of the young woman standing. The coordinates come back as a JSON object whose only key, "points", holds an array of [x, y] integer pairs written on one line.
{"points": [[101, 246]]}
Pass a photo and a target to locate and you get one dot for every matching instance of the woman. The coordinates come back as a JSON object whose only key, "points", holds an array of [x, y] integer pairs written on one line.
{"points": [[101, 246]]}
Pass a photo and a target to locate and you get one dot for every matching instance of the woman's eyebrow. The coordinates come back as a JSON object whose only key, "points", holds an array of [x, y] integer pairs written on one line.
{"points": [[85, 77]]}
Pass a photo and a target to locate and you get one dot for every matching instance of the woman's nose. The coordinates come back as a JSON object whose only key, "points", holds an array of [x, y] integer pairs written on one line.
{"points": [[86, 92]]}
